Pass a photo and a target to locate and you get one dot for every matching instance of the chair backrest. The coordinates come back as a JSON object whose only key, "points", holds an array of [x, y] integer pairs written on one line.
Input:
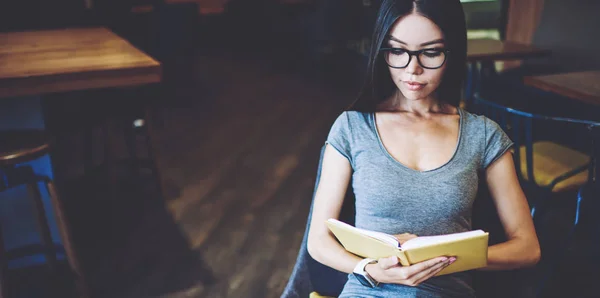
{"points": [[519, 126], [309, 275]]}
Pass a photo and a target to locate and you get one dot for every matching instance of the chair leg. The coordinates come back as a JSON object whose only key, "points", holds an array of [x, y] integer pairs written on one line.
{"points": [[44, 230], [42, 222], [4, 285], [65, 234], [540, 199]]}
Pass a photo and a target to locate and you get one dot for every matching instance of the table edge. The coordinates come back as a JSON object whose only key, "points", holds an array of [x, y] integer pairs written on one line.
{"points": [[535, 82], [73, 81]]}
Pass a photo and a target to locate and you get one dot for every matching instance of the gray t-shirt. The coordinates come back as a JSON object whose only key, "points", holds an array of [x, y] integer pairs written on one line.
{"points": [[395, 199]]}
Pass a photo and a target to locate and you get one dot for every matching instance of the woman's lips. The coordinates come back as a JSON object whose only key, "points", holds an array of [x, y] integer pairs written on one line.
{"points": [[414, 86]]}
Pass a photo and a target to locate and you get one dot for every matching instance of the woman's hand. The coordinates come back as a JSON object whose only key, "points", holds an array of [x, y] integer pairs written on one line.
{"points": [[388, 270], [405, 237]]}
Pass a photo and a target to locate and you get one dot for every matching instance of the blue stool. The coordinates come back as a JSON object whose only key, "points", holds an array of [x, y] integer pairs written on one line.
{"points": [[16, 148]]}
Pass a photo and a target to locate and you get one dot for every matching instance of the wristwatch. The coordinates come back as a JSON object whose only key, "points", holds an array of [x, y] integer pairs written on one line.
{"points": [[363, 277]]}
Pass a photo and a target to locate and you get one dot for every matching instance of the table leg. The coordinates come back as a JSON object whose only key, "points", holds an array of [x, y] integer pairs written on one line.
{"points": [[109, 160], [152, 151]]}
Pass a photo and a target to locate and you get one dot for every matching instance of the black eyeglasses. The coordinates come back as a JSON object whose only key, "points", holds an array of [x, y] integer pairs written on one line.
{"points": [[428, 58]]}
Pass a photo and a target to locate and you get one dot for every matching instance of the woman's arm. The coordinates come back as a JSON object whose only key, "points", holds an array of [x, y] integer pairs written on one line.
{"points": [[522, 248], [331, 190]]}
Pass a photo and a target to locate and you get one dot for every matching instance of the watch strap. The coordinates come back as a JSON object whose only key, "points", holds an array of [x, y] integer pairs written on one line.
{"points": [[362, 276], [360, 267]]}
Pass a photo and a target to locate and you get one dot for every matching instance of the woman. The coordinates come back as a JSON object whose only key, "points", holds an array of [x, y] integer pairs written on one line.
{"points": [[415, 158]]}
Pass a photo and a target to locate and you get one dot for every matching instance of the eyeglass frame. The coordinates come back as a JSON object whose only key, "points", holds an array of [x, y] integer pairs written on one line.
{"points": [[416, 53]]}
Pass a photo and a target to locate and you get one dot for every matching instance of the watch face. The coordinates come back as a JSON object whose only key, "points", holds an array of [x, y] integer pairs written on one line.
{"points": [[363, 280]]}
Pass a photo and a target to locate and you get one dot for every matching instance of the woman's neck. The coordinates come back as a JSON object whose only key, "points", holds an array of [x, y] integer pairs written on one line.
{"points": [[420, 107]]}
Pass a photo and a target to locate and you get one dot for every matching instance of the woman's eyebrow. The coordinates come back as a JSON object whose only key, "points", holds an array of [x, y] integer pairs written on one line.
{"points": [[436, 41]]}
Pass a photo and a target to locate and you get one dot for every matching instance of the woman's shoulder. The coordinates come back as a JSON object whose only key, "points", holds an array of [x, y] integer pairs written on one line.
{"points": [[481, 128], [477, 121], [356, 115], [353, 118], [351, 123]]}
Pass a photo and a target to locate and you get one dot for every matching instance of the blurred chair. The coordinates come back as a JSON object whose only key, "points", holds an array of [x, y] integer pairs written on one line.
{"points": [[544, 166], [17, 148]]}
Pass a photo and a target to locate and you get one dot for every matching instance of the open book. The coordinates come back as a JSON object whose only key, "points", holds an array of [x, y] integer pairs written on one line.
{"points": [[469, 248]]}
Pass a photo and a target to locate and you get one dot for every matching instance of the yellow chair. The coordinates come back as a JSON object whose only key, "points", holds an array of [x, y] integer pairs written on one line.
{"points": [[316, 295], [556, 167], [543, 167]]}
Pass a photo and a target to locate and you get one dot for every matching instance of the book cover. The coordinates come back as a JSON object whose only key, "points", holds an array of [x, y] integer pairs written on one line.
{"points": [[469, 248]]}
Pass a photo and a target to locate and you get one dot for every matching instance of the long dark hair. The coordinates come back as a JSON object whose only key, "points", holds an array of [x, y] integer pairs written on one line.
{"points": [[446, 14]]}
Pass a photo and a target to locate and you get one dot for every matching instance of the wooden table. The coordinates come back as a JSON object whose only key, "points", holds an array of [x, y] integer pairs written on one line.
{"points": [[497, 50], [40, 62], [583, 86], [36, 63], [483, 53]]}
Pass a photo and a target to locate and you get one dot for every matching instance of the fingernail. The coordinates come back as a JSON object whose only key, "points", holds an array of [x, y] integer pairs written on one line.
{"points": [[452, 260]]}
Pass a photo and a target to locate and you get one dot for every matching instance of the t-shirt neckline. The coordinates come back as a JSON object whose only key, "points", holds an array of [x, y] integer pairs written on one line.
{"points": [[409, 169]]}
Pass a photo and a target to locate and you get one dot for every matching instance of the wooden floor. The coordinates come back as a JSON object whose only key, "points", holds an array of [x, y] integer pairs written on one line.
{"points": [[238, 145], [245, 164]]}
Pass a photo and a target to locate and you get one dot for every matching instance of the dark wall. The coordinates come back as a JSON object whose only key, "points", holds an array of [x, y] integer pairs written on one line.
{"points": [[35, 14], [571, 29]]}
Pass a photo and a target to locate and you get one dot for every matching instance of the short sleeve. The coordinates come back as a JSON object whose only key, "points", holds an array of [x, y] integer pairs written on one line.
{"points": [[497, 142], [339, 136]]}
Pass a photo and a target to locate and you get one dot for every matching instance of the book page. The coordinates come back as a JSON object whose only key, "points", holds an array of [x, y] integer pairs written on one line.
{"points": [[387, 238], [429, 240]]}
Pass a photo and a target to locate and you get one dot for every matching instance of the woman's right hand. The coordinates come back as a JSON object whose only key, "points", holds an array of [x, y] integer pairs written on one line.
{"points": [[389, 270]]}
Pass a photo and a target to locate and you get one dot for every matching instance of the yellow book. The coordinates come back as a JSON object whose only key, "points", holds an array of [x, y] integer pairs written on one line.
{"points": [[470, 248]]}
